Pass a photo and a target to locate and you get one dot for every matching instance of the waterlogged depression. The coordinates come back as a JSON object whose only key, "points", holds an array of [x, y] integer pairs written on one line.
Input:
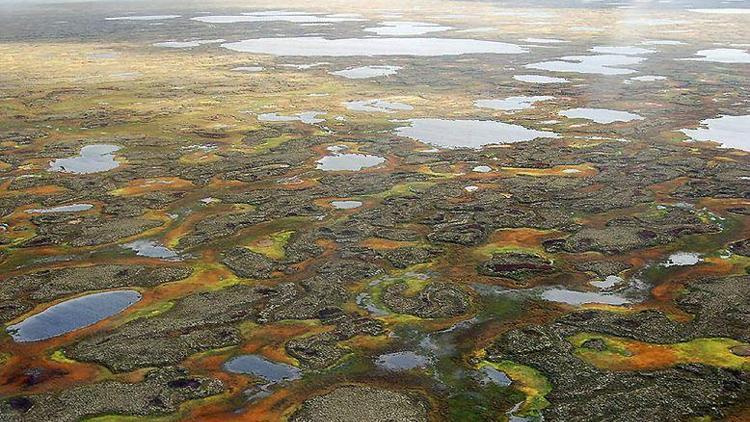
{"points": [[343, 47], [349, 162], [512, 103], [600, 115], [92, 159], [72, 315], [445, 133], [729, 131], [374, 211], [603, 64]]}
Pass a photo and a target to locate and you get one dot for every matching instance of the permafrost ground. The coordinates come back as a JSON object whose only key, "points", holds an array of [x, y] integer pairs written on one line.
{"points": [[375, 211]]}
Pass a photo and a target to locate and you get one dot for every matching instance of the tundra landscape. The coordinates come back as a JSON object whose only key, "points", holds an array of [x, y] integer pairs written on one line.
{"points": [[348, 210]]}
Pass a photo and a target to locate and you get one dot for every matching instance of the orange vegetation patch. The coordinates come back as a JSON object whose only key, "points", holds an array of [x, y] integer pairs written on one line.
{"points": [[41, 190], [16, 375], [580, 170], [295, 183], [379, 244], [271, 408], [664, 189], [199, 157], [522, 238], [269, 340], [141, 186]]}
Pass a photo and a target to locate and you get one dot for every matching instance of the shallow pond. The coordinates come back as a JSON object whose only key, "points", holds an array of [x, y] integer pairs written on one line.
{"points": [[72, 315], [349, 162], [468, 133], [92, 159], [377, 106], [722, 55], [322, 47], [512, 103], [365, 72], [403, 28], [540, 79], [608, 282], [730, 131], [605, 64], [572, 297], [258, 366], [151, 249], [307, 117], [600, 115], [682, 259], [402, 361]]}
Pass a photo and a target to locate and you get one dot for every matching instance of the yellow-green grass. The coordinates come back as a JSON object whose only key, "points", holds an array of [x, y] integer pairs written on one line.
{"points": [[626, 354]]}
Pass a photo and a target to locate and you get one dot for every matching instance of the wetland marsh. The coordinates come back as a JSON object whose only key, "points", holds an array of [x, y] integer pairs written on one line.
{"points": [[422, 210]]}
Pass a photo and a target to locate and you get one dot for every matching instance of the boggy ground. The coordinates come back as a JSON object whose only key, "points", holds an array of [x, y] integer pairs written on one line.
{"points": [[597, 275]]}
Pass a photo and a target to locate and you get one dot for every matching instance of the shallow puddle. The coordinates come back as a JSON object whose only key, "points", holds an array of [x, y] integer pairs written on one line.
{"points": [[494, 376], [72, 315], [249, 69], [92, 159], [572, 297], [346, 205], [62, 209], [468, 133], [608, 282], [402, 361]]}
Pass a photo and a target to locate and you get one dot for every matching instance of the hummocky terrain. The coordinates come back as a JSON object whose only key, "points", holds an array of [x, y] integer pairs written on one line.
{"points": [[374, 210]]}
